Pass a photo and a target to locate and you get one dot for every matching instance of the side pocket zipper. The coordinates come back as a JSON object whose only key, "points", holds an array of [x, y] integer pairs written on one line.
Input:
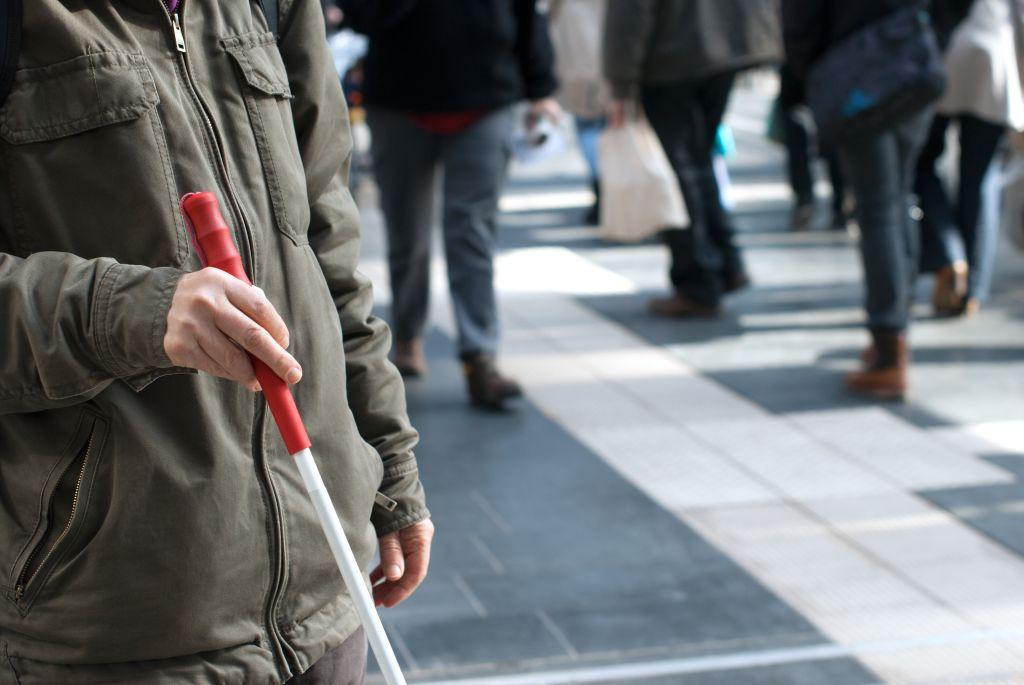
{"points": [[76, 469]]}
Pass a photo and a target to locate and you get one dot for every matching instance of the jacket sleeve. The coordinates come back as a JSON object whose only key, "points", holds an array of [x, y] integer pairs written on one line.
{"points": [[804, 24], [69, 327], [376, 394], [372, 16], [534, 51], [627, 36]]}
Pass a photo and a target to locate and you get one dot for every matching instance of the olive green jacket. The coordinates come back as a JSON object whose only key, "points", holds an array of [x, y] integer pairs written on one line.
{"points": [[153, 528]]}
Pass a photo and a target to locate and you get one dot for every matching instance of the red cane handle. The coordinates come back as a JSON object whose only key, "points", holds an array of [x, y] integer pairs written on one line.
{"points": [[212, 239]]}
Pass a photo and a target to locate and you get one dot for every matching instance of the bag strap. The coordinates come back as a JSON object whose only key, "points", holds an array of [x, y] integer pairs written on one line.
{"points": [[270, 11], [10, 44]]}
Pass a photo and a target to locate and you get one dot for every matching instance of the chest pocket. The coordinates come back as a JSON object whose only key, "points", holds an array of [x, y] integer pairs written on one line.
{"points": [[86, 162], [268, 101]]}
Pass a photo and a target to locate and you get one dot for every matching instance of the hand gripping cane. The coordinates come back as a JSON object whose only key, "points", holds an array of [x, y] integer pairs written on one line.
{"points": [[216, 248]]}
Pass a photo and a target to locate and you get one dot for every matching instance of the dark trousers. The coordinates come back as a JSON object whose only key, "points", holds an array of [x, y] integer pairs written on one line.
{"points": [[343, 665], [685, 116], [967, 231], [800, 147], [880, 170], [470, 166]]}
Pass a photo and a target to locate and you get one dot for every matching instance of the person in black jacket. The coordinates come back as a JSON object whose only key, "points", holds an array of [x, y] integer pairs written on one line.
{"points": [[440, 80], [880, 171]]}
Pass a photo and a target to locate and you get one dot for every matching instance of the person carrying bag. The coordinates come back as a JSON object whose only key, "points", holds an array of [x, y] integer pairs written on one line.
{"points": [[678, 59], [639, 190]]}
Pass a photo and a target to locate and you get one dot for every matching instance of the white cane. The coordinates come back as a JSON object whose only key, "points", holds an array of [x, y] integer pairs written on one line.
{"points": [[213, 241]]}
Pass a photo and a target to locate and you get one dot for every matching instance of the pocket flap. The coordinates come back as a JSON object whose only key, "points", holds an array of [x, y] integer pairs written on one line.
{"points": [[257, 56], [77, 95]]}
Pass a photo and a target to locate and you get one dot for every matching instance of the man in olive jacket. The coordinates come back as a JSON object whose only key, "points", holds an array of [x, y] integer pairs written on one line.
{"points": [[678, 59], [152, 527]]}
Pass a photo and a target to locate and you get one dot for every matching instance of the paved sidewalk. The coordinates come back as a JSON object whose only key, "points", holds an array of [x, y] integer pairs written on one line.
{"points": [[698, 502]]}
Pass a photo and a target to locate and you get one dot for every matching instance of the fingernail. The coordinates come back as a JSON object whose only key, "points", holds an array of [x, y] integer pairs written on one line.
{"points": [[394, 571], [293, 376]]}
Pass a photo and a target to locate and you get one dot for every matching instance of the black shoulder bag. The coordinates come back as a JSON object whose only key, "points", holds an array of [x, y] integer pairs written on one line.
{"points": [[877, 77]]}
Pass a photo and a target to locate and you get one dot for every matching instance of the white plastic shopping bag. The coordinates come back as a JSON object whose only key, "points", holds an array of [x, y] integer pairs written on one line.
{"points": [[639, 191]]}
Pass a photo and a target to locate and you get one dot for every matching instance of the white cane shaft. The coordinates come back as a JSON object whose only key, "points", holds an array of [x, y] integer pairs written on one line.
{"points": [[349, 568]]}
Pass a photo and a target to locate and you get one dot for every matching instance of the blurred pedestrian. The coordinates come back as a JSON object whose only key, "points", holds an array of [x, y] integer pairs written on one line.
{"points": [[983, 97], [679, 58], [801, 150], [576, 31], [440, 82], [879, 165]]}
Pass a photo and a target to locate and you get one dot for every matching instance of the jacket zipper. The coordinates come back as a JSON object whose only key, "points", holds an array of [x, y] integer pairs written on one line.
{"points": [[28, 573], [280, 647], [273, 503], [245, 232]]}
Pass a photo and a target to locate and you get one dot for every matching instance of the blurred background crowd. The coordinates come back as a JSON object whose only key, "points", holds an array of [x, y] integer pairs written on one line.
{"points": [[877, 88], [894, 126]]}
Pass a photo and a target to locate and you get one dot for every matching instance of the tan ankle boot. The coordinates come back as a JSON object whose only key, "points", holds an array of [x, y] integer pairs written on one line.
{"points": [[950, 289], [884, 375]]}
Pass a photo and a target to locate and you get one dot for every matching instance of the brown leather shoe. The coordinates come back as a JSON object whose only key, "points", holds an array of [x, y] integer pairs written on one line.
{"points": [[409, 358], [885, 376], [487, 388], [679, 306], [950, 289]]}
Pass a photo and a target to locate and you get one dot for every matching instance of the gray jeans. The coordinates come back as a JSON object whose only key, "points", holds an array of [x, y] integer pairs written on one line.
{"points": [[471, 166], [880, 170], [343, 665]]}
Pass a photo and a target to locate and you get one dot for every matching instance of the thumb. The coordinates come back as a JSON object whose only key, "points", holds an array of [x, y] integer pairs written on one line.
{"points": [[392, 560]]}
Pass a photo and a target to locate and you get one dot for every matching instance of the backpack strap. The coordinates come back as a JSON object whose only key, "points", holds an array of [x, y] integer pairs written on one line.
{"points": [[270, 11], [10, 44]]}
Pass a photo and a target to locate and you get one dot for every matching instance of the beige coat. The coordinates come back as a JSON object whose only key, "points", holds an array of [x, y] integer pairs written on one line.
{"points": [[576, 31]]}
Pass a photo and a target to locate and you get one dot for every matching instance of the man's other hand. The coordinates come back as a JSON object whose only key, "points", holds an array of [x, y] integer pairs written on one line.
{"points": [[404, 559], [215, 318]]}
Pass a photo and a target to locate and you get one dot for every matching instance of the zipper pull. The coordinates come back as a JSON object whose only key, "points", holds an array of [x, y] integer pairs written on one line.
{"points": [[179, 36], [385, 502]]}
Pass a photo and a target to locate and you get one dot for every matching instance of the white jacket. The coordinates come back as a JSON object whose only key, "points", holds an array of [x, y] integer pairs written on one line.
{"points": [[984, 66]]}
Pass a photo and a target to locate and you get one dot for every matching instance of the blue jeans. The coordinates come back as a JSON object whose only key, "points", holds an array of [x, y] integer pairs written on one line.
{"points": [[880, 171], [588, 131], [968, 231], [471, 165]]}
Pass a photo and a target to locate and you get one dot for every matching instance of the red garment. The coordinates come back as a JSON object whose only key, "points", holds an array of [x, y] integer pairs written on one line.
{"points": [[446, 123]]}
